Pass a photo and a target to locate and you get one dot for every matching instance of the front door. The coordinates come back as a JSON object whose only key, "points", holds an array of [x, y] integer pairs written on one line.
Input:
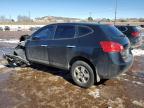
{"points": [[37, 46]]}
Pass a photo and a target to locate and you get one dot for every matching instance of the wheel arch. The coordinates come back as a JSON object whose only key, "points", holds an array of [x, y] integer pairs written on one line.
{"points": [[97, 78]]}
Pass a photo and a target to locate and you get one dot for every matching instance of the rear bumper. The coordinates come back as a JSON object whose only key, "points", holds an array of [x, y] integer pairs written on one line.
{"points": [[111, 65]]}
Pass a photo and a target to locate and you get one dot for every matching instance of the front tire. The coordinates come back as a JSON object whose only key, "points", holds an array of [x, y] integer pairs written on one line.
{"points": [[82, 74]]}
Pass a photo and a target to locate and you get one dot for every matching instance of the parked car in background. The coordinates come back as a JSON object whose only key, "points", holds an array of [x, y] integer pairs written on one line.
{"points": [[19, 29], [90, 51], [142, 26], [1, 29], [7, 28], [34, 28], [133, 33]]}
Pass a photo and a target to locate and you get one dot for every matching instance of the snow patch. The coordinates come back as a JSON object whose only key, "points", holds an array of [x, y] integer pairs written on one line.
{"points": [[142, 34], [117, 103], [137, 82], [126, 79], [9, 40], [124, 74], [95, 94], [139, 103], [2, 66], [138, 52]]}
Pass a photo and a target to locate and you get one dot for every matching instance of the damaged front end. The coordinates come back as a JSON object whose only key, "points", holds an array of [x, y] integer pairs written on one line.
{"points": [[18, 57], [15, 61]]}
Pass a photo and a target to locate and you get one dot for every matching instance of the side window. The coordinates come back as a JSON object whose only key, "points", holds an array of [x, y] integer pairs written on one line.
{"points": [[83, 30], [64, 32], [45, 33]]}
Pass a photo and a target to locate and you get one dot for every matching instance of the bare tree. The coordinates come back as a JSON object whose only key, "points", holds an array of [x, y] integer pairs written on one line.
{"points": [[4, 19], [90, 19], [21, 18], [141, 19]]}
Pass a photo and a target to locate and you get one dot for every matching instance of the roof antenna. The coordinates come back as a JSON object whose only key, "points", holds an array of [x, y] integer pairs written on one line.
{"points": [[90, 14]]}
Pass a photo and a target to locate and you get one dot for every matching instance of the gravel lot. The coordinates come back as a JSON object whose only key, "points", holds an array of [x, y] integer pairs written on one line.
{"points": [[47, 87], [13, 34]]}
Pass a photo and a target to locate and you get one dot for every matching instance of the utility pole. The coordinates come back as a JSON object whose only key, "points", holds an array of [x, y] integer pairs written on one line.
{"points": [[115, 11], [29, 15], [90, 14]]}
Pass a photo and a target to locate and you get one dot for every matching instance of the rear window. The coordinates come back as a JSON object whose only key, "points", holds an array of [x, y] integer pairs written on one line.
{"points": [[111, 31]]}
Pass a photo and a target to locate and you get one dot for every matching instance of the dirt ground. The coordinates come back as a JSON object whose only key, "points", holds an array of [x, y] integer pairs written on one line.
{"points": [[46, 87], [13, 34]]}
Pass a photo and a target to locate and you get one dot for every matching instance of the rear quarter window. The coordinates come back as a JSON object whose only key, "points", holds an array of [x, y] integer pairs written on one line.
{"points": [[111, 31], [84, 30]]}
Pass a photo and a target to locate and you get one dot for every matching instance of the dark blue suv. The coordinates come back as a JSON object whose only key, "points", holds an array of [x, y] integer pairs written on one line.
{"points": [[90, 51]]}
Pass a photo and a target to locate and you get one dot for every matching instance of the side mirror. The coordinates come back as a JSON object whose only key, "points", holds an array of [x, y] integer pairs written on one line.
{"points": [[24, 37]]}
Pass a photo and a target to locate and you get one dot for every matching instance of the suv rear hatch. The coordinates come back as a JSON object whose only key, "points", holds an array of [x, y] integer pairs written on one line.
{"points": [[116, 41], [113, 34]]}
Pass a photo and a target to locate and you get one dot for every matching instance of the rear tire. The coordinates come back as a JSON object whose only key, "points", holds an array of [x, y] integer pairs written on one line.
{"points": [[82, 74]]}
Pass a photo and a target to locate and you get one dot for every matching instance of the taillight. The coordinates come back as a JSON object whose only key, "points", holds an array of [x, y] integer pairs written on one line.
{"points": [[135, 34], [109, 46]]}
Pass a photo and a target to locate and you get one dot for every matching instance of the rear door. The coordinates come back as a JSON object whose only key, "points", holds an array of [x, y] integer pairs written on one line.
{"points": [[62, 45], [37, 46]]}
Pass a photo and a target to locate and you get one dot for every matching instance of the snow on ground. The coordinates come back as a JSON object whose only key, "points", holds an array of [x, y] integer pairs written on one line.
{"points": [[95, 94], [139, 103], [9, 40], [22, 27], [138, 52], [2, 66], [142, 34]]}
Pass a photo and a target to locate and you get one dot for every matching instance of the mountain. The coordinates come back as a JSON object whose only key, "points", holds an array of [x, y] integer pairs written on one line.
{"points": [[49, 19]]}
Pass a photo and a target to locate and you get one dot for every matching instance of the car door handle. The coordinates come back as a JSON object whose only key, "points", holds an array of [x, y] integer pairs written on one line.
{"points": [[44, 45], [70, 46]]}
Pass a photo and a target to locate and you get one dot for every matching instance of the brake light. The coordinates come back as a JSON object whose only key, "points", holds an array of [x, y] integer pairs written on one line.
{"points": [[109, 46], [135, 34]]}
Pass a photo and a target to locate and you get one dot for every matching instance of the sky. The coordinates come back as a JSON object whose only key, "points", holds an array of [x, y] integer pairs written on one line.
{"points": [[72, 8]]}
